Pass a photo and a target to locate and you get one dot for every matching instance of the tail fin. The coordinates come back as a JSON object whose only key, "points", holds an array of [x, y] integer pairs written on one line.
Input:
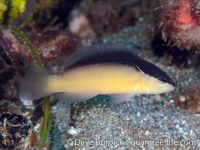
{"points": [[32, 85]]}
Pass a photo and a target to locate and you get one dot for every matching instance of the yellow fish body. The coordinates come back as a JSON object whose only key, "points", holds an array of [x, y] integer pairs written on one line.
{"points": [[99, 69]]}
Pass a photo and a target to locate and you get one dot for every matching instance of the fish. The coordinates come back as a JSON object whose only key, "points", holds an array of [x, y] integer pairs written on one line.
{"points": [[100, 69]]}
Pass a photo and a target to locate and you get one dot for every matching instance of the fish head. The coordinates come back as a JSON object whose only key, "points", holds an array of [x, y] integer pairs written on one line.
{"points": [[152, 85], [163, 84], [154, 80]]}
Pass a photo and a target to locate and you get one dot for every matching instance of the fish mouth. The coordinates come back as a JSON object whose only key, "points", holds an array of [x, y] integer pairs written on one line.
{"points": [[172, 83], [172, 87]]}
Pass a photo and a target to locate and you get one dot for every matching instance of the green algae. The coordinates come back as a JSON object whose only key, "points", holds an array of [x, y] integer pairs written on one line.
{"points": [[20, 35], [13, 8], [37, 62]]}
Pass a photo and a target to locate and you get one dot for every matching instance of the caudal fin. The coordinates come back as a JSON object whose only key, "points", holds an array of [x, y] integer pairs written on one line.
{"points": [[33, 85]]}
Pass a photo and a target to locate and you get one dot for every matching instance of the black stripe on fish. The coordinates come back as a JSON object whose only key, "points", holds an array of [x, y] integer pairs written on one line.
{"points": [[114, 54]]}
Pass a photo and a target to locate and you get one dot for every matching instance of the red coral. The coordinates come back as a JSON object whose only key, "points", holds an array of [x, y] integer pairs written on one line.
{"points": [[179, 22], [54, 47], [99, 18], [183, 13]]}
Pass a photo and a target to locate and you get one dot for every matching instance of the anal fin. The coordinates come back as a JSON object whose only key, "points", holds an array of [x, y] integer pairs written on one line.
{"points": [[118, 98], [74, 97]]}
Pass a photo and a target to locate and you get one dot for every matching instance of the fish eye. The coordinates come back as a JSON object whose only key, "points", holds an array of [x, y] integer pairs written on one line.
{"points": [[162, 80]]}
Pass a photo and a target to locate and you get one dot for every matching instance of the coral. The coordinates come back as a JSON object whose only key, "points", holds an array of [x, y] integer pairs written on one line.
{"points": [[15, 47], [172, 55], [14, 9], [190, 100], [54, 46], [8, 78], [17, 7], [8, 106], [183, 12], [79, 25], [29, 13], [42, 18], [51, 47], [3, 8], [179, 22], [14, 131], [101, 18]]}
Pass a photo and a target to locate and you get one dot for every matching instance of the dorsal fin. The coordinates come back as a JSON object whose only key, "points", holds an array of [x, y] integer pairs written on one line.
{"points": [[99, 53]]}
